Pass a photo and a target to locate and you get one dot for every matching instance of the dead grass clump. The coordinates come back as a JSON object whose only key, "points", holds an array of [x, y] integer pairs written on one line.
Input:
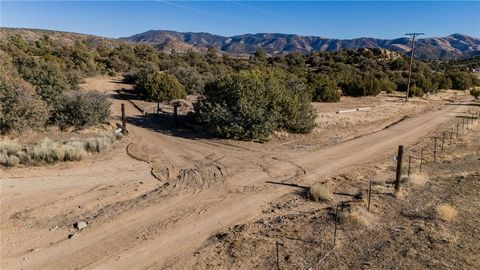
{"points": [[46, 151], [100, 143], [9, 147], [320, 192], [446, 212], [357, 216], [8, 153], [9, 161], [418, 179], [73, 151]]}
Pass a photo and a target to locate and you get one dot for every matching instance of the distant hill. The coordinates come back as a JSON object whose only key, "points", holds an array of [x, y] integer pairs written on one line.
{"points": [[451, 47]]}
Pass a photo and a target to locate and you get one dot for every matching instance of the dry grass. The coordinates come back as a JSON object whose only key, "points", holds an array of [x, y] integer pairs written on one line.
{"points": [[320, 192], [47, 151], [418, 179], [358, 216], [446, 212]]}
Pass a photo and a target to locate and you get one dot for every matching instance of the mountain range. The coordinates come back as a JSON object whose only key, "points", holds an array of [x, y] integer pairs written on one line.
{"points": [[450, 47]]}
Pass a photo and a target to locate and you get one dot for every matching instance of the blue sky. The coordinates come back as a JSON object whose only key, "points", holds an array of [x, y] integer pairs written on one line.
{"points": [[336, 19]]}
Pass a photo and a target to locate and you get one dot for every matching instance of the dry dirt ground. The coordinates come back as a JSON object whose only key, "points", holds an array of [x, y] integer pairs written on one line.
{"points": [[434, 223], [160, 193]]}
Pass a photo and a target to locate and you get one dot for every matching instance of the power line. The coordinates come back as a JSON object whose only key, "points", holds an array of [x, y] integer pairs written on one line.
{"points": [[413, 35]]}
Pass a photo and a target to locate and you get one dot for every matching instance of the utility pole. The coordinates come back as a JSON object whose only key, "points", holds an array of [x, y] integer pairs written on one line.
{"points": [[413, 35]]}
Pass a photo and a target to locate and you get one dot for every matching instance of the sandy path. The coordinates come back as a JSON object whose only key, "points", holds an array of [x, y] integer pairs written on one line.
{"points": [[138, 231]]}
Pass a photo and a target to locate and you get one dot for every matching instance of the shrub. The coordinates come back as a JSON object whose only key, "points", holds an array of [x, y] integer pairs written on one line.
{"points": [[9, 148], [82, 109], [387, 85], [20, 107], [47, 151], [461, 80], [73, 151], [365, 85], [320, 192], [475, 92], [415, 91], [48, 78], [324, 89], [99, 144], [159, 86], [250, 105], [190, 78]]}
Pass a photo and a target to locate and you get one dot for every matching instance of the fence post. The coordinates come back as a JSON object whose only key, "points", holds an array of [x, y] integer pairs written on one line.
{"points": [[443, 140], [421, 160], [463, 125], [451, 135], [458, 123], [278, 261], [124, 120], [399, 169], [369, 194], [435, 150], [409, 164], [175, 114], [335, 228]]}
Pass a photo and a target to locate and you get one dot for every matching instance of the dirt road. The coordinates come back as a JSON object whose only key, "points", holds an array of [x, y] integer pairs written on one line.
{"points": [[138, 222]]}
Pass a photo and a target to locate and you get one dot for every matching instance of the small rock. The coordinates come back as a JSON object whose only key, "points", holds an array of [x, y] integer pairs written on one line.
{"points": [[80, 225], [70, 236], [54, 228]]}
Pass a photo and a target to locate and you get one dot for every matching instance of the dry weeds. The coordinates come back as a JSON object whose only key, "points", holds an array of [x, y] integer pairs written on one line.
{"points": [[358, 216], [320, 192], [446, 212], [418, 179], [48, 151]]}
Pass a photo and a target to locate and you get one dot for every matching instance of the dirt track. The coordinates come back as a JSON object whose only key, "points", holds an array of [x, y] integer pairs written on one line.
{"points": [[136, 221]]}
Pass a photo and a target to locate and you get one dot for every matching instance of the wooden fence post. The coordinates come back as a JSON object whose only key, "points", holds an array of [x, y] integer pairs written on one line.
{"points": [[435, 150], [399, 169], [278, 261], [451, 135], [409, 164], [175, 114], [124, 120], [443, 140], [421, 160], [335, 228], [369, 194]]}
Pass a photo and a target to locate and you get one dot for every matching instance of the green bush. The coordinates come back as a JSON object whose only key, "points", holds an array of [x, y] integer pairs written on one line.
{"points": [[20, 107], [387, 85], [250, 105], [324, 89], [159, 86], [415, 91], [48, 78], [362, 85], [475, 92], [81, 109], [461, 80]]}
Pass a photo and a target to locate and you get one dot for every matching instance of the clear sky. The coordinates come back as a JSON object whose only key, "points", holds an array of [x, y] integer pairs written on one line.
{"points": [[335, 19]]}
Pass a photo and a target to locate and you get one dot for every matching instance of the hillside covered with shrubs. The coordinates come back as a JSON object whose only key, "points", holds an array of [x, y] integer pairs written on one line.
{"points": [[39, 82]]}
